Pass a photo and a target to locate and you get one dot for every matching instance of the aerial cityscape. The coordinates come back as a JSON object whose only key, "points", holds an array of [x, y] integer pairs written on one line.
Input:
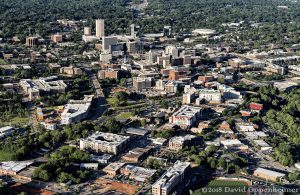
{"points": [[150, 97]]}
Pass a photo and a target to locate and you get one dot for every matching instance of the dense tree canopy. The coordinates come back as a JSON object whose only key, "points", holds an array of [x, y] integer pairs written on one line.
{"points": [[62, 166]]}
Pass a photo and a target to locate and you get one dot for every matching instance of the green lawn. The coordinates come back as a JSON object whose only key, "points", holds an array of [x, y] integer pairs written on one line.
{"points": [[3, 62], [124, 115], [112, 101], [217, 187], [16, 121], [7, 156], [130, 106]]}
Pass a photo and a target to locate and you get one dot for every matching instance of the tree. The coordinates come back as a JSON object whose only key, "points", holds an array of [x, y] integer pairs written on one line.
{"points": [[121, 96], [283, 154], [293, 176], [112, 125], [123, 82], [42, 173], [222, 163], [64, 177], [143, 122]]}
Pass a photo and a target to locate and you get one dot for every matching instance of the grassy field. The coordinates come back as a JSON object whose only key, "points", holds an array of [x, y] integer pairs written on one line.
{"points": [[217, 187], [3, 62], [124, 115], [6, 156], [112, 101], [15, 121]]}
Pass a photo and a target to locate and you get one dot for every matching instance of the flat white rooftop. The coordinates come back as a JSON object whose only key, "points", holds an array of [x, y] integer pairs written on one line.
{"points": [[268, 172]]}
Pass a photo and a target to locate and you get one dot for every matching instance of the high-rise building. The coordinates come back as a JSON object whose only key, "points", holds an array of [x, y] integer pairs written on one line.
{"points": [[100, 28], [132, 31], [167, 31], [131, 46], [108, 41], [87, 31], [187, 60], [172, 50], [142, 83]]}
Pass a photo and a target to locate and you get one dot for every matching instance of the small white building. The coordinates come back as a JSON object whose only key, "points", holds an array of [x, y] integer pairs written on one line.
{"points": [[264, 146], [6, 131]]}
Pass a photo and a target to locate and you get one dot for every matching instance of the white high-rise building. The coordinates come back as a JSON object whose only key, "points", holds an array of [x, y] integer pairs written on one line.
{"points": [[132, 31], [100, 28]]}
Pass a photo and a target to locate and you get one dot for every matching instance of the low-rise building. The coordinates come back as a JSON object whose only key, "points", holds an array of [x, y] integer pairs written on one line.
{"points": [[109, 73], [101, 159], [42, 86], [225, 128], [245, 113], [159, 141], [229, 93], [205, 78], [105, 142], [6, 131], [175, 176], [55, 67], [253, 135], [89, 38], [72, 71], [245, 127], [177, 143], [204, 124], [209, 95], [13, 168], [49, 125], [297, 165], [76, 110], [256, 106], [31, 41], [286, 85], [263, 146], [268, 174], [113, 169], [137, 154], [57, 38], [186, 116], [136, 131], [171, 87], [232, 143], [90, 166], [139, 174]]}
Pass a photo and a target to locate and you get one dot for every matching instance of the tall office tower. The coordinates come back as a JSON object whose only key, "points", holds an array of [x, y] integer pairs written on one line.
{"points": [[132, 31], [100, 28], [167, 31], [131, 46], [87, 31]]}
